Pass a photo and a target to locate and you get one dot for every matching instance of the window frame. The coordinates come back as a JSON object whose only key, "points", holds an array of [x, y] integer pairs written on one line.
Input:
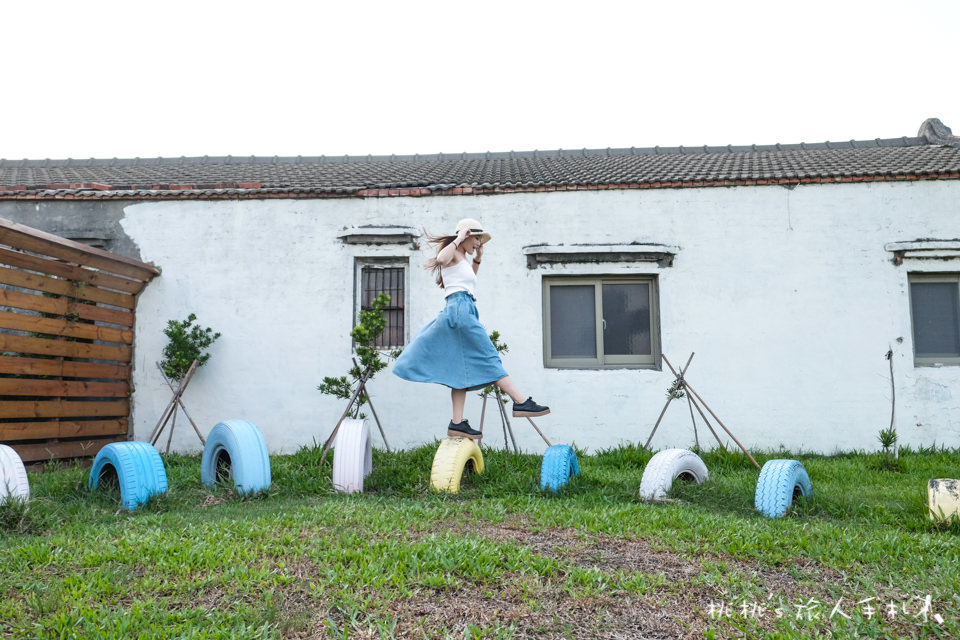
{"points": [[362, 263], [933, 277], [602, 361]]}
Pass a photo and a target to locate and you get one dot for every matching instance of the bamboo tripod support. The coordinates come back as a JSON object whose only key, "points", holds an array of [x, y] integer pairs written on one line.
{"points": [[361, 389], [694, 400], [507, 428], [175, 404]]}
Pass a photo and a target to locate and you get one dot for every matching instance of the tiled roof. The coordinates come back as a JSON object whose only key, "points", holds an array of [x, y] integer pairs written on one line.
{"points": [[934, 154]]}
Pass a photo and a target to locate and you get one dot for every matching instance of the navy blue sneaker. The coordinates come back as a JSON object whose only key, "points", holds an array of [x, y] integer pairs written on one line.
{"points": [[463, 430], [529, 409]]}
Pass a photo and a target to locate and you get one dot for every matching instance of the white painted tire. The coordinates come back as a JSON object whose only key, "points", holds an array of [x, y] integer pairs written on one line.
{"points": [[665, 467], [13, 476], [352, 456], [453, 457]]}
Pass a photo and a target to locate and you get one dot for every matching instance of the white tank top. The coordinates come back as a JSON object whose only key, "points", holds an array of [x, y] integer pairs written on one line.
{"points": [[459, 277]]}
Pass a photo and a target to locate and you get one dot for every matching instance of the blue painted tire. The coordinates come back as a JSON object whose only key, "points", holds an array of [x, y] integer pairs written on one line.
{"points": [[558, 466], [139, 470], [236, 450], [780, 482]]}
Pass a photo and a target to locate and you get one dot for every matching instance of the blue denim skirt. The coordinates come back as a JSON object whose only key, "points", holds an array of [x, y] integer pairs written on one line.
{"points": [[453, 350]]}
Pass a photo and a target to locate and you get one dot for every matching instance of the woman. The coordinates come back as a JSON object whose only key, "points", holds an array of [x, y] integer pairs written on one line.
{"points": [[454, 349]]}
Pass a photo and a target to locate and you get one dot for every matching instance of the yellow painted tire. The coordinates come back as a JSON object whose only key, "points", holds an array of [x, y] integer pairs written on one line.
{"points": [[453, 457]]}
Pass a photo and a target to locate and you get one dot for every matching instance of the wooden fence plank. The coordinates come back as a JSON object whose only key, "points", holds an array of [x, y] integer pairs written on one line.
{"points": [[64, 409], [23, 237], [68, 271], [80, 289], [64, 307], [65, 288], [62, 368], [54, 450], [63, 348], [63, 327], [13, 431], [63, 388]]}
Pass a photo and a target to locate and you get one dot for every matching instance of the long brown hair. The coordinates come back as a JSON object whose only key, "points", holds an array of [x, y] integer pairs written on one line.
{"points": [[439, 243]]}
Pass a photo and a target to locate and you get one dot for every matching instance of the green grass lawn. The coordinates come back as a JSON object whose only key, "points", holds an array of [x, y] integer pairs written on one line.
{"points": [[499, 560]]}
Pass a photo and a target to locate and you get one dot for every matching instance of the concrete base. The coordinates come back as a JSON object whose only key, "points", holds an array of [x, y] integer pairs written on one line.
{"points": [[944, 499]]}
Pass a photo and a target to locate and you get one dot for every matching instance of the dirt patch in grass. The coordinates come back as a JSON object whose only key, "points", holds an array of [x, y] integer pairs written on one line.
{"points": [[607, 553], [520, 607], [681, 598], [529, 609], [677, 605]]}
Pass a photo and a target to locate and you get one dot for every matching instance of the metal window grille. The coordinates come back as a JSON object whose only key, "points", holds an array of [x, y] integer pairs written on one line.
{"points": [[389, 280]]}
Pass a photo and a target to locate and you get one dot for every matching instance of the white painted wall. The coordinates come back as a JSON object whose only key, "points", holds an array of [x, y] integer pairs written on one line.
{"points": [[788, 298]]}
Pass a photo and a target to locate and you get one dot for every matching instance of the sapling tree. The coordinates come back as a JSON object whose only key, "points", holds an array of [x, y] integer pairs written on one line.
{"points": [[371, 360], [187, 343], [501, 348]]}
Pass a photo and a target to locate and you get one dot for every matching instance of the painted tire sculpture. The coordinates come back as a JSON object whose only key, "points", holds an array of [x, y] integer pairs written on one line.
{"points": [[13, 476], [665, 467], [453, 457], [558, 466], [352, 456], [780, 482], [236, 450], [137, 467]]}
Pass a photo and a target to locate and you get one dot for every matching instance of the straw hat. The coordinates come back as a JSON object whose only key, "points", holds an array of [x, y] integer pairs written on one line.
{"points": [[476, 229]]}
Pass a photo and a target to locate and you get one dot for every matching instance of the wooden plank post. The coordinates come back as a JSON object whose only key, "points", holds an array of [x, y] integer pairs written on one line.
{"points": [[66, 335]]}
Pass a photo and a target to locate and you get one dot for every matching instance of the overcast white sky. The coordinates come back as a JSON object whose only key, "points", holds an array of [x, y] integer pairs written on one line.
{"points": [[146, 78]]}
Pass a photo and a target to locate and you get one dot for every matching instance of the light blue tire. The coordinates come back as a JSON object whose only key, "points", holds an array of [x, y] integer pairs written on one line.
{"points": [[558, 466], [139, 471], [780, 482], [236, 450]]}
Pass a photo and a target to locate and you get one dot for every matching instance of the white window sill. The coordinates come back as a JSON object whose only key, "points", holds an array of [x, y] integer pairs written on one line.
{"points": [[380, 235], [930, 249], [543, 254]]}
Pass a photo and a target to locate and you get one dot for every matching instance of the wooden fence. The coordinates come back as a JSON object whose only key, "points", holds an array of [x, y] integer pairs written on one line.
{"points": [[66, 343]]}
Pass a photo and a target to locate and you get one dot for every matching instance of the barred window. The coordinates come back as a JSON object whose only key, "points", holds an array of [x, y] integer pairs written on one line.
{"points": [[389, 279]]}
